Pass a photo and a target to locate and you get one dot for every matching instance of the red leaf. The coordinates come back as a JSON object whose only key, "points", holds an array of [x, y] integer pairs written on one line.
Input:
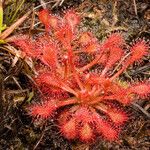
{"points": [[72, 19], [86, 133], [69, 129], [49, 20], [65, 36], [44, 110], [86, 38], [114, 40], [49, 56], [115, 54], [138, 50], [141, 89], [106, 130]]}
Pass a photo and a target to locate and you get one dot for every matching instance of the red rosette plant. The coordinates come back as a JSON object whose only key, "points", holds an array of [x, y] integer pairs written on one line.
{"points": [[69, 78]]}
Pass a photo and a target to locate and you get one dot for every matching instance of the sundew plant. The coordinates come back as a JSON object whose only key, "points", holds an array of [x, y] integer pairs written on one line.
{"points": [[80, 76]]}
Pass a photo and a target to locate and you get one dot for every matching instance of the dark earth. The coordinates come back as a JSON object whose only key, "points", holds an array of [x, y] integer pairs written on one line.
{"points": [[18, 131]]}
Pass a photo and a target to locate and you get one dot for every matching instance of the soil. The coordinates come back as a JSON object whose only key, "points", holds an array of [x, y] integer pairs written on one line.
{"points": [[17, 130]]}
